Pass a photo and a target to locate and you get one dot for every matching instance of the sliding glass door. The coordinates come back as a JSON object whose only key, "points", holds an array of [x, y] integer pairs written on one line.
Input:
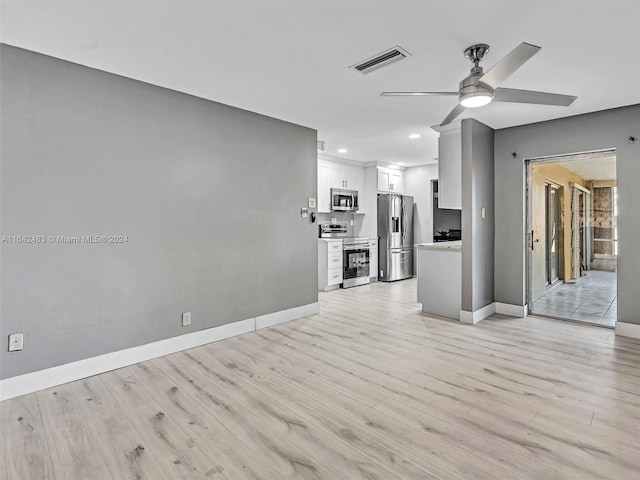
{"points": [[553, 216]]}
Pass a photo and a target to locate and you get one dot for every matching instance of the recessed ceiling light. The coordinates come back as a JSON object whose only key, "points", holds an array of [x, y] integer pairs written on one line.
{"points": [[342, 150], [413, 136]]}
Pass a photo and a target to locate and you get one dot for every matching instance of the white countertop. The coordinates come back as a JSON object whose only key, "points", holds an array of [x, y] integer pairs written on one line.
{"points": [[339, 239], [455, 245]]}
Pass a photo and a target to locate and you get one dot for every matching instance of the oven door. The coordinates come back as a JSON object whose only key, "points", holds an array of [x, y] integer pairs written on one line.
{"points": [[356, 266]]}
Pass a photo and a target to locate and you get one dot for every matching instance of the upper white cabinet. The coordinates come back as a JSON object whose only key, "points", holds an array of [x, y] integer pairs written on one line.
{"points": [[339, 175], [342, 176], [390, 180], [361, 186], [450, 169], [396, 182], [383, 181], [324, 198]]}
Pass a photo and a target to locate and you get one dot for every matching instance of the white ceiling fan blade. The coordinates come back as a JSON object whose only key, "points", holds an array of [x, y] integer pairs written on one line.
{"points": [[509, 64], [529, 96], [415, 94], [453, 115]]}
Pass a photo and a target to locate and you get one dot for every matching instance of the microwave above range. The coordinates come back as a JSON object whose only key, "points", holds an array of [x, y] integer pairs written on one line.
{"points": [[344, 200]]}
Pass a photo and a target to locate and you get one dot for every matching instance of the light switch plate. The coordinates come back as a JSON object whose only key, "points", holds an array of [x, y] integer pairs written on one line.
{"points": [[16, 342], [312, 202], [186, 319]]}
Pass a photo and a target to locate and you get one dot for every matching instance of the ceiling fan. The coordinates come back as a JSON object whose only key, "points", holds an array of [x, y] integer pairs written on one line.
{"points": [[480, 88]]}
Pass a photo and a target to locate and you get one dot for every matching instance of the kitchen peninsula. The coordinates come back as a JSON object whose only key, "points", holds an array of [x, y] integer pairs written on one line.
{"points": [[439, 272]]}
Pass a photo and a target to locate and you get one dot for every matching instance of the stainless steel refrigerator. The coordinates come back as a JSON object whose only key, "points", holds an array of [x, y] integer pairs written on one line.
{"points": [[395, 232]]}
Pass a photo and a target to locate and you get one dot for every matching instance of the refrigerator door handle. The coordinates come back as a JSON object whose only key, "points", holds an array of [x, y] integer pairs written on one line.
{"points": [[402, 212]]}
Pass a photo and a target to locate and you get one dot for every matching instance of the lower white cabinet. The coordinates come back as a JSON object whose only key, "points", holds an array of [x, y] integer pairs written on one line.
{"points": [[329, 264], [373, 258]]}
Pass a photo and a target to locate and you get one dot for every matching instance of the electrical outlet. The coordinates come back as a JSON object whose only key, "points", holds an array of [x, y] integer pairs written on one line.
{"points": [[186, 319], [16, 342]]}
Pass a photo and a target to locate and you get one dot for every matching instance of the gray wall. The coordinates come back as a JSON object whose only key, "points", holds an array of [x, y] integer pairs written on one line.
{"points": [[477, 232], [208, 195], [594, 131]]}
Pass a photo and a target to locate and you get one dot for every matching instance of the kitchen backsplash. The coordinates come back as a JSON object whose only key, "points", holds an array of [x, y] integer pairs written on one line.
{"points": [[355, 230]]}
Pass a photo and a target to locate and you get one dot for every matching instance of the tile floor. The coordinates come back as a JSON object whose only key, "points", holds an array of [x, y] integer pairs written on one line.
{"points": [[593, 299]]}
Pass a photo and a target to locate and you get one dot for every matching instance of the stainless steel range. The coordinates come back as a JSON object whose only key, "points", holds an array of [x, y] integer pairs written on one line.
{"points": [[355, 261], [355, 254]]}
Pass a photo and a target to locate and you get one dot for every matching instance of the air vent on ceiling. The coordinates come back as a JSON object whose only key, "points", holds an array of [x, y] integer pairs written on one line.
{"points": [[387, 57]]}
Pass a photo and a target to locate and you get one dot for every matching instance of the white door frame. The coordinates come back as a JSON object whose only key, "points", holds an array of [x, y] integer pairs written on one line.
{"points": [[528, 242]]}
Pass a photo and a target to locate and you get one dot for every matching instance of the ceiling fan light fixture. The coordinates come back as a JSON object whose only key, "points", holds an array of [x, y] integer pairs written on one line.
{"points": [[475, 99]]}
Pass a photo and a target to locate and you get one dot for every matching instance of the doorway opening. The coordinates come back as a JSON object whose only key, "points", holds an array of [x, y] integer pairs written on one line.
{"points": [[572, 221]]}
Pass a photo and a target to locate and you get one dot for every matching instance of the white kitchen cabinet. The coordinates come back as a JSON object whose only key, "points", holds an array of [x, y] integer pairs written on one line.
{"points": [[396, 182], [450, 169], [342, 176], [373, 258], [324, 197], [390, 181], [360, 185], [383, 181], [339, 175], [329, 264]]}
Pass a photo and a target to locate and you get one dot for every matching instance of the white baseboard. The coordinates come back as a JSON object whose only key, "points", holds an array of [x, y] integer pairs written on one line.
{"points": [[631, 330], [51, 377], [519, 311], [282, 316], [477, 316]]}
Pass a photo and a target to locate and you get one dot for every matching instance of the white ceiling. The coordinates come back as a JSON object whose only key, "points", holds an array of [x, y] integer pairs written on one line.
{"points": [[288, 58], [603, 168]]}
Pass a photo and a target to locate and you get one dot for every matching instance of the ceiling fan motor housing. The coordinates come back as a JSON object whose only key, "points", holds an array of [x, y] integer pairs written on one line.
{"points": [[470, 87]]}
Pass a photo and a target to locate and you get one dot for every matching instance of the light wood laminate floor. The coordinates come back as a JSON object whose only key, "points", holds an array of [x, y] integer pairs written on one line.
{"points": [[368, 389]]}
